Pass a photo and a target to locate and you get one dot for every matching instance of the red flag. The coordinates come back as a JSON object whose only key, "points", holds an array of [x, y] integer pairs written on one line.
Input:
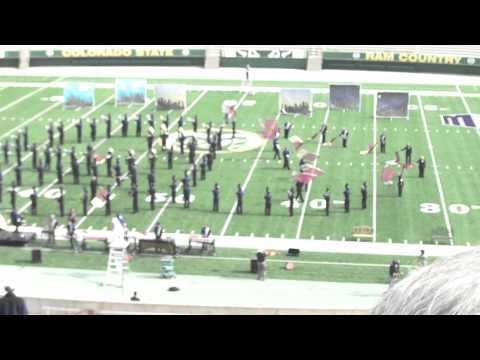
{"points": [[313, 170], [304, 178], [388, 174], [309, 157], [99, 158]]}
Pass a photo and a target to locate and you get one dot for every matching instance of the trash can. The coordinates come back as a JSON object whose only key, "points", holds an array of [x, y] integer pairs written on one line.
{"points": [[254, 265], [36, 256], [167, 267]]}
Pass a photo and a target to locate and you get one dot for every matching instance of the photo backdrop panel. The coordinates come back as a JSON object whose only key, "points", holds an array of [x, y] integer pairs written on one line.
{"points": [[390, 104], [77, 94], [345, 97], [296, 101], [171, 97], [130, 91]]}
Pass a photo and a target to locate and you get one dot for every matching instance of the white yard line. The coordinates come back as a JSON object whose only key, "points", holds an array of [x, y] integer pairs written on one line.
{"points": [[35, 117], [29, 95], [467, 107], [374, 206], [435, 170], [142, 156], [165, 205], [309, 190], [72, 124]]}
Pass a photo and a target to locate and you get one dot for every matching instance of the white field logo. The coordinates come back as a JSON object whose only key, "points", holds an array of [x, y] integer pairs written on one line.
{"points": [[243, 141]]}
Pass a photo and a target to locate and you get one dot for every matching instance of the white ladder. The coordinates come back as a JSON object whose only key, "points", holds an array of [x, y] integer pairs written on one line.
{"points": [[117, 266]]}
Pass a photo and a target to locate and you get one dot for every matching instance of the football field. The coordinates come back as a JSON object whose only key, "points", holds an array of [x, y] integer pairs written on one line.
{"points": [[445, 202]]}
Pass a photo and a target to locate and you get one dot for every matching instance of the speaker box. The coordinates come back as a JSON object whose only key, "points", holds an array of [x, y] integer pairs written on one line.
{"points": [[254, 265], [293, 252], [36, 256]]}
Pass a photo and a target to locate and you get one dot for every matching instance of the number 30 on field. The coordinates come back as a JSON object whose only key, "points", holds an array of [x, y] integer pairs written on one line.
{"points": [[433, 208]]}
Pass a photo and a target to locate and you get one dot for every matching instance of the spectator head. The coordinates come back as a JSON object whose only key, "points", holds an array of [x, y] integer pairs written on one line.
{"points": [[449, 286]]}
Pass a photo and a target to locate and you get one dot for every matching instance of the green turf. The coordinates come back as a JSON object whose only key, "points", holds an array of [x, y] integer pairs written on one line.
{"points": [[398, 219]]}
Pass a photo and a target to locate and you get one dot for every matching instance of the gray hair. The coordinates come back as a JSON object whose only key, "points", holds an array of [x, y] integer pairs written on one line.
{"points": [[449, 286]]}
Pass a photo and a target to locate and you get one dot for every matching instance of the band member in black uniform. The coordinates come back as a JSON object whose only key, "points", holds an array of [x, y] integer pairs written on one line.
{"points": [[151, 180], [173, 189], [291, 196], [61, 202], [209, 132], [191, 151], [286, 129], [138, 127], [383, 142], [58, 154], [167, 121], [13, 196], [209, 161], [40, 172], [240, 194], [79, 126], [299, 188], [89, 159], [61, 133], [346, 197], [219, 138], [125, 125], [118, 171], [151, 192], [73, 156], [108, 201], [195, 123], [203, 168], [108, 121], [186, 196], [233, 128], [18, 152], [400, 185], [213, 146], [276, 150], [216, 197], [94, 166], [60, 173], [268, 202], [181, 139], [18, 175], [33, 202], [48, 158], [93, 130], [84, 199], [286, 159], [50, 135], [421, 166], [25, 138], [194, 175], [133, 176], [76, 172], [170, 158], [134, 195], [344, 135], [93, 187], [326, 197], [34, 150], [152, 159], [150, 139], [158, 231], [6, 151], [109, 162], [364, 192], [408, 154]]}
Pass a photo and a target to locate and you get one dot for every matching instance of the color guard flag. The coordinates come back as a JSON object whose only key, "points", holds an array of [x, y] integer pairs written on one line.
{"points": [[388, 175], [99, 159], [309, 169], [309, 156], [369, 151], [270, 128], [304, 178]]}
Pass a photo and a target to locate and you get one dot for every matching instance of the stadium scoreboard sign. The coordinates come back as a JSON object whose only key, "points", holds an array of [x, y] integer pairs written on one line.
{"points": [[117, 53], [264, 54], [406, 58]]}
